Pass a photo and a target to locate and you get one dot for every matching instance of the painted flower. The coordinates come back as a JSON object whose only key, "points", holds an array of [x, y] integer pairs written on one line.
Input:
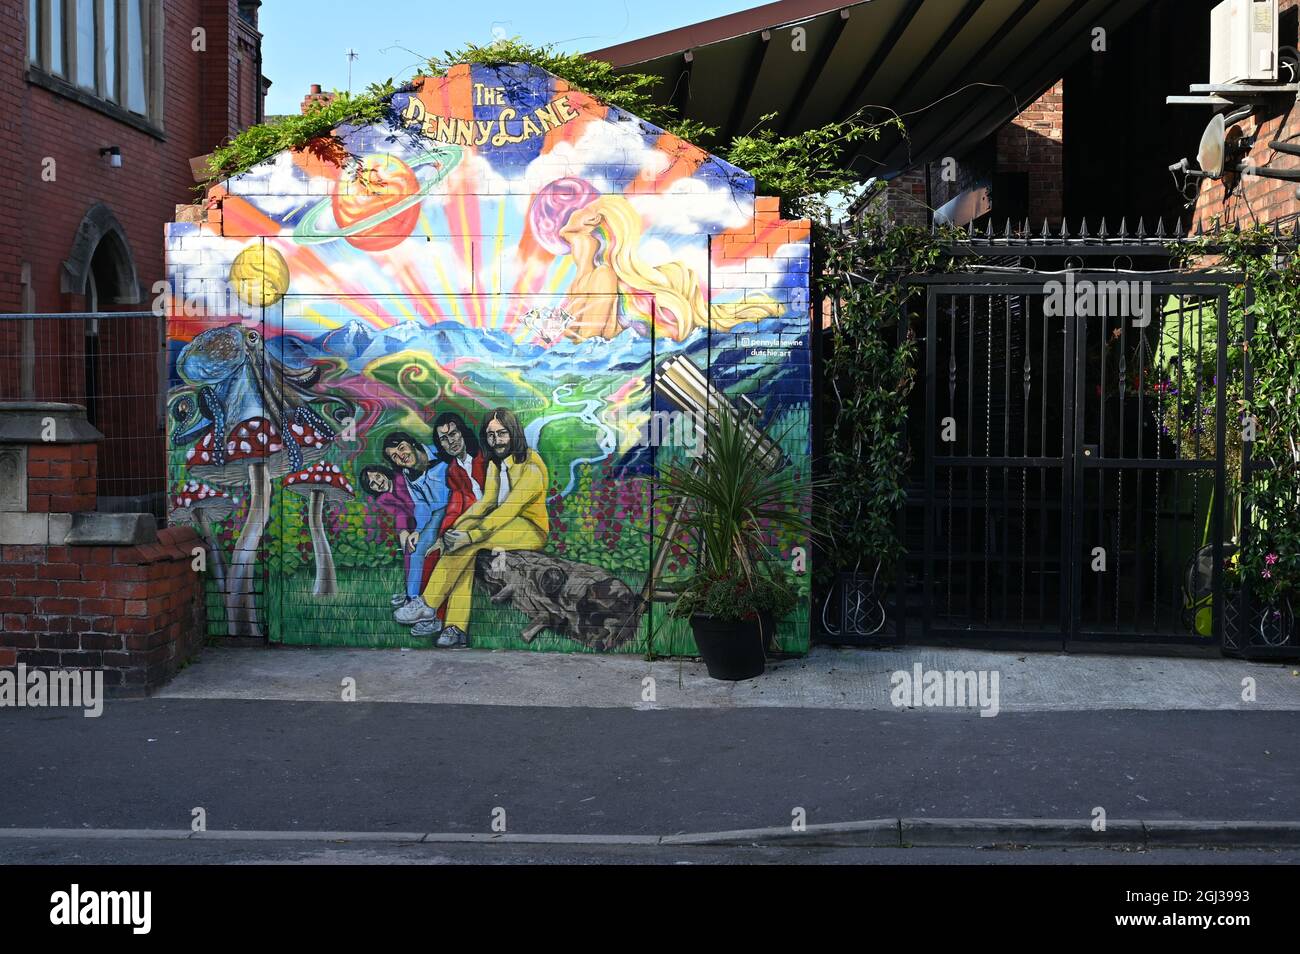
{"points": [[1271, 559]]}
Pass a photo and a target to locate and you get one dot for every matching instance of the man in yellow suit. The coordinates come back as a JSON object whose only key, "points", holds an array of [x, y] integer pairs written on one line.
{"points": [[511, 515]]}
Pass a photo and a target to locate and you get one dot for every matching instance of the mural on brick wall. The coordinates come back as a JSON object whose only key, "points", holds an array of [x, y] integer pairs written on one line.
{"points": [[421, 372]]}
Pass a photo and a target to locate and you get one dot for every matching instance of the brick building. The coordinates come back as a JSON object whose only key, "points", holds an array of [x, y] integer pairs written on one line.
{"points": [[1098, 143], [1039, 111], [103, 106]]}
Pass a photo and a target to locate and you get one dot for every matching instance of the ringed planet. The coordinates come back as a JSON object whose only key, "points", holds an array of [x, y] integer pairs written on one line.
{"points": [[390, 191]]}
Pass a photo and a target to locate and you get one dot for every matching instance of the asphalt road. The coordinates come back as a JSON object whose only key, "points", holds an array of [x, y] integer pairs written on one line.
{"points": [[394, 767]]}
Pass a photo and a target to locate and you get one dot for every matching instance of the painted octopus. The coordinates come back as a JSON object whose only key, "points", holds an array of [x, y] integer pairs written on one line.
{"points": [[259, 419]]}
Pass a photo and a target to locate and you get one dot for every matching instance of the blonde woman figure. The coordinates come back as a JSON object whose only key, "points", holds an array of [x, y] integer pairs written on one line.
{"points": [[615, 288]]}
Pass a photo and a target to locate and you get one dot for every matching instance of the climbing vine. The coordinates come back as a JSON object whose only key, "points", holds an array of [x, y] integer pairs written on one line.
{"points": [[1269, 557], [870, 371], [313, 130]]}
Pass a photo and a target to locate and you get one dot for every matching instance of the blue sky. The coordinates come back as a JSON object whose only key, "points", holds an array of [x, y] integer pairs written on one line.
{"points": [[393, 36]]}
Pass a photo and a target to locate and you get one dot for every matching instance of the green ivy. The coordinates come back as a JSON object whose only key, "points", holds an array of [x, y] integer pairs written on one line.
{"points": [[870, 374], [804, 168], [1269, 558], [314, 129], [800, 170]]}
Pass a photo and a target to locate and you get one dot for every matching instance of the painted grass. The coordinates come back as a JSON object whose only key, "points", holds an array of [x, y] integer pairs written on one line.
{"points": [[359, 616]]}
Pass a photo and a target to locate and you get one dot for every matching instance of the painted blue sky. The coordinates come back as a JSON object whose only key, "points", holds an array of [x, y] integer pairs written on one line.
{"points": [[300, 50]]}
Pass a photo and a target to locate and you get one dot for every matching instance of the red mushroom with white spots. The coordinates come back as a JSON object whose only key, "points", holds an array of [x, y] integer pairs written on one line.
{"points": [[324, 486], [200, 505], [253, 453]]}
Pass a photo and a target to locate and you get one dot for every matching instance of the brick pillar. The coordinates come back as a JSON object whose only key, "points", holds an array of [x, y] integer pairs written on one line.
{"points": [[902, 201], [81, 590]]}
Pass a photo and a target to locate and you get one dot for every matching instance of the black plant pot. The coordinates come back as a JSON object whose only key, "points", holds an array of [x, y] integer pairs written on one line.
{"points": [[732, 649]]}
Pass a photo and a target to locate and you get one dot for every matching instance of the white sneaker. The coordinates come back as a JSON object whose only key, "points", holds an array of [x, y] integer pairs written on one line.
{"points": [[426, 628], [453, 637], [399, 599], [414, 611]]}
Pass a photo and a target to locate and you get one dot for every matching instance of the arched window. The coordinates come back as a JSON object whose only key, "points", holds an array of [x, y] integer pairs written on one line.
{"points": [[101, 269]]}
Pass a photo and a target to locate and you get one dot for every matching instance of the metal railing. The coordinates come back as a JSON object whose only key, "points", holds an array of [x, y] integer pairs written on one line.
{"points": [[112, 363]]}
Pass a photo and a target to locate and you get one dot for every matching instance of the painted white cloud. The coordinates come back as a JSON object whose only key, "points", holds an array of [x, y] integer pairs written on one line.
{"points": [[691, 206], [602, 149], [284, 188], [479, 174]]}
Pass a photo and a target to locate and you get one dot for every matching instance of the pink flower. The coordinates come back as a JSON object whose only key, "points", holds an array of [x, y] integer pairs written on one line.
{"points": [[1270, 559], [1267, 575]]}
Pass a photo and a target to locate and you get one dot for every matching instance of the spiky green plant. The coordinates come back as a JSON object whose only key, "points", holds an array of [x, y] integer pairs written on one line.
{"points": [[728, 508]]}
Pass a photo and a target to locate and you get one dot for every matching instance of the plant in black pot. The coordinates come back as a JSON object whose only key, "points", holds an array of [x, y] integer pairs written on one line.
{"points": [[730, 502]]}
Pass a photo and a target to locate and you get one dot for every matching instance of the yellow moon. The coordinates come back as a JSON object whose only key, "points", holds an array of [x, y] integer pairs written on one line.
{"points": [[260, 275]]}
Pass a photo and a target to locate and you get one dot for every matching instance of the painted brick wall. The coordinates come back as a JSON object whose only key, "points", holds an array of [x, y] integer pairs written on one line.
{"points": [[502, 242]]}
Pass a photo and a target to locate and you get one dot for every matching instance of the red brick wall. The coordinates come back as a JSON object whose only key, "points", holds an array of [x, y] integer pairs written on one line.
{"points": [[39, 219], [13, 186], [155, 176], [61, 478], [135, 612], [903, 201], [1033, 143], [247, 87], [1254, 199]]}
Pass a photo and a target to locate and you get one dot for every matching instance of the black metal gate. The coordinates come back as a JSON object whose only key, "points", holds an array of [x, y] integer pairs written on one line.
{"points": [[1074, 457]]}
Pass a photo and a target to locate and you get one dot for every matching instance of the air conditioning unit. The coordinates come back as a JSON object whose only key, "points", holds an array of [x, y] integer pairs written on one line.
{"points": [[1243, 42]]}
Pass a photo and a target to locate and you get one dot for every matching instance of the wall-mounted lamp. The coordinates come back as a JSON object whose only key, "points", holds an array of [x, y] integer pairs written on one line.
{"points": [[114, 154]]}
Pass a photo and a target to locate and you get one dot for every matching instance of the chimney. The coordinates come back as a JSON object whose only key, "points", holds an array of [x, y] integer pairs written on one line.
{"points": [[316, 96]]}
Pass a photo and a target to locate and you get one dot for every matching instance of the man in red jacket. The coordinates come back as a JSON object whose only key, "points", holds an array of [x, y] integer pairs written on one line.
{"points": [[466, 474]]}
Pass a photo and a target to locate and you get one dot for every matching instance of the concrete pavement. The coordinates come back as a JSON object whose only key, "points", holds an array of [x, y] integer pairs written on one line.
{"points": [[154, 852], [828, 678]]}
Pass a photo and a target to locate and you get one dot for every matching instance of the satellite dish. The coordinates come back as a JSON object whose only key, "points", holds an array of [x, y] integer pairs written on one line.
{"points": [[1213, 143]]}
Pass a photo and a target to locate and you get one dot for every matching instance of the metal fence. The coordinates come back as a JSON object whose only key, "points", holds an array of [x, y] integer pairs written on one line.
{"points": [[1073, 464], [1071, 477], [112, 363]]}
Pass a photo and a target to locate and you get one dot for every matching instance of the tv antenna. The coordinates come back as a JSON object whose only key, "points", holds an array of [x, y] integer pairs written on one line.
{"points": [[351, 54]]}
